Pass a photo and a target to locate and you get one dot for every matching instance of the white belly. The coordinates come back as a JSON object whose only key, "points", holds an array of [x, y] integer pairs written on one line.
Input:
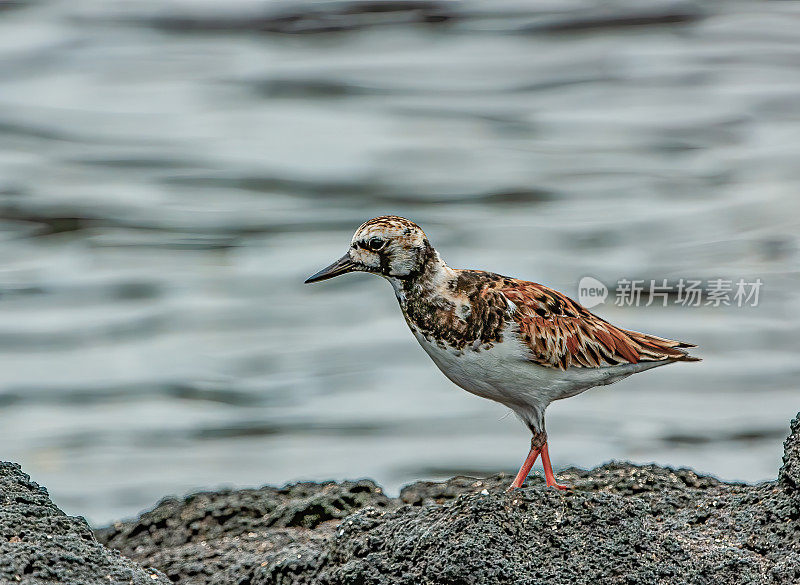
{"points": [[504, 373]]}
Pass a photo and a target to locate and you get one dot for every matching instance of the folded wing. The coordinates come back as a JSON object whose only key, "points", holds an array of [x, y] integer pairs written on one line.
{"points": [[561, 333]]}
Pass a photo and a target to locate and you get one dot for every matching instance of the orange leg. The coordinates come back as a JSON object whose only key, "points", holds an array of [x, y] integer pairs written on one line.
{"points": [[525, 469], [548, 470]]}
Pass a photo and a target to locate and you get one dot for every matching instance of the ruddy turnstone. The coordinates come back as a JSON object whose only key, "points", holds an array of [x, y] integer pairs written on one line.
{"points": [[513, 341]]}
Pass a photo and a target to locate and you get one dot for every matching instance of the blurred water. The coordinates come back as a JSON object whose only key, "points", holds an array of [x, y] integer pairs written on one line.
{"points": [[171, 171]]}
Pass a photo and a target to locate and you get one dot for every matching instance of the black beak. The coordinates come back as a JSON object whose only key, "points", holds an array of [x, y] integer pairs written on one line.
{"points": [[341, 266]]}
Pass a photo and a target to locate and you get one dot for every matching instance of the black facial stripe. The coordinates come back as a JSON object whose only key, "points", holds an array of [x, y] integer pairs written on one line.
{"points": [[384, 260], [373, 244]]}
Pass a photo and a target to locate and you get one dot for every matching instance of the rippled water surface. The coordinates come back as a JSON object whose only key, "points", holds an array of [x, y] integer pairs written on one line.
{"points": [[171, 171]]}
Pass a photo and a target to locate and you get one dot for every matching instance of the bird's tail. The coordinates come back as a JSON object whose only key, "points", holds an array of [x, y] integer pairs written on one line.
{"points": [[652, 349]]}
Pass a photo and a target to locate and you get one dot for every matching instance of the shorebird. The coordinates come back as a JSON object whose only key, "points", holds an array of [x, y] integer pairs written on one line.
{"points": [[516, 342]]}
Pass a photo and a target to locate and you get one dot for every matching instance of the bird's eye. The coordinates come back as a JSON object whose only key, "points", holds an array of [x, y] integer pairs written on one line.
{"points": [[375, 244]]}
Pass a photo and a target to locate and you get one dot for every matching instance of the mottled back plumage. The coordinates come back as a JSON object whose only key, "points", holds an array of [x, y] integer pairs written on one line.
{"points": [[561, 333]]}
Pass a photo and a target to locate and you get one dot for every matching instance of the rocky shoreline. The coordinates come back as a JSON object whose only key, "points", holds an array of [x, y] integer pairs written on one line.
{"points": [[41, 544], [620, 523]]}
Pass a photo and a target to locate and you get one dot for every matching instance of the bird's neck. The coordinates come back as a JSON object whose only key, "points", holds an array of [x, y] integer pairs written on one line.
{"points": [[433, 277]]}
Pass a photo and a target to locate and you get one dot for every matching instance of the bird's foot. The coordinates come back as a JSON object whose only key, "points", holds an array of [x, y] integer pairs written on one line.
{"points": [[551, 483]]}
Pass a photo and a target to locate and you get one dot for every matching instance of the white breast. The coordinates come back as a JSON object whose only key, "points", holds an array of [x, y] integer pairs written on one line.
{"points": [[504, 373]]}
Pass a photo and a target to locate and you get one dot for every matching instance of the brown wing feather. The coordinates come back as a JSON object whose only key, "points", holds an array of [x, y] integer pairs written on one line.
{"points": [[561, 333]]}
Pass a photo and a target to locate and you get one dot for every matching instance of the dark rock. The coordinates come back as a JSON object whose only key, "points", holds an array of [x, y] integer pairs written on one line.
{"points": [[225, 537], [790, 472], [40, 544], [620, 523]]}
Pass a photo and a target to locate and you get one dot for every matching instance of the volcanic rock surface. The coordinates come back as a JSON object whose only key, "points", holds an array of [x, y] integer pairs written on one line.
{"points": [[620, 523], [40, 544]]}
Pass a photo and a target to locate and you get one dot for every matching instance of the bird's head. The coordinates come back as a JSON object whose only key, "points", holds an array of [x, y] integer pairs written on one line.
{"points": [[391, 246]]}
